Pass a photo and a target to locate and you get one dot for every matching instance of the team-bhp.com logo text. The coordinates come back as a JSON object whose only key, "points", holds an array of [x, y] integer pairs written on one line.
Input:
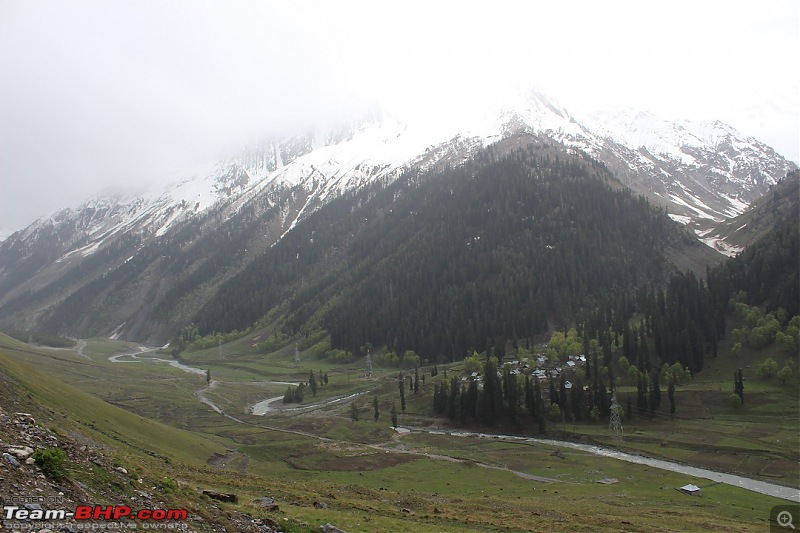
{"points": [[93, 512]]}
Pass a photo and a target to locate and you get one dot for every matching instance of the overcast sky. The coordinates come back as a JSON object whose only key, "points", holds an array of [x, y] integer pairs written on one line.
{"points": [[98, 93]]}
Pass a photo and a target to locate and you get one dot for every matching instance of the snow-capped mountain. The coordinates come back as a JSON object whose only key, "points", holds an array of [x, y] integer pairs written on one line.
{"points": [[702, 173]]}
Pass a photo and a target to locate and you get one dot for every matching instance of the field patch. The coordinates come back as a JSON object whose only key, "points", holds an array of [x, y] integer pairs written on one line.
{"points": [[363, 461]]}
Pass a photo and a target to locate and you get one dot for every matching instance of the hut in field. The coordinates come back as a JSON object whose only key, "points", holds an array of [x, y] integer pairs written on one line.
{"points": [[691, 490]]}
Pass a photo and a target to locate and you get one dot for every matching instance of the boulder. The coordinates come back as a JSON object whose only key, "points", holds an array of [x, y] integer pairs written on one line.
{"points": [[330, 528], [221, 496], [10, 459], [266, 503], [20, 452]]}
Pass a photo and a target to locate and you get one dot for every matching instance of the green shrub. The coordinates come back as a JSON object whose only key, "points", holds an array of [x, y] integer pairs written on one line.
{"points": [[735, 401], [51, 461], [168, 485]]}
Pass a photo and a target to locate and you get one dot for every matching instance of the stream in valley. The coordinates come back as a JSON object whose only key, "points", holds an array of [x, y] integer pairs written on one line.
{"points": [[262, 408]]}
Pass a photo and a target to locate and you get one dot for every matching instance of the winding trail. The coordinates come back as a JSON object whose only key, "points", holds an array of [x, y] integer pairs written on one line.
{"points": [[263, 407], [81, 344], [138, 357]]}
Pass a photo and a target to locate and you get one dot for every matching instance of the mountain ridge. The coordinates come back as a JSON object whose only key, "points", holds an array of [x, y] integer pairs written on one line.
{"points": [[627, 141], [273, 184]]}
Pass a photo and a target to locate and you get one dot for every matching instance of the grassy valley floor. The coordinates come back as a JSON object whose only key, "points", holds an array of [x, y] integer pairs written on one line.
{"points": [[320, 466]]}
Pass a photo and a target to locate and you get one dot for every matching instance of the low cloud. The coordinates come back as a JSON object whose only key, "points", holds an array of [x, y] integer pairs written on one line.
{"points": [[96, 94]]}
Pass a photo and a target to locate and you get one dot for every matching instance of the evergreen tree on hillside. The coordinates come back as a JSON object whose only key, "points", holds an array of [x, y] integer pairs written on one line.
{"points": [[312, 383], [401, 383], [738, 385], [456, 262]]}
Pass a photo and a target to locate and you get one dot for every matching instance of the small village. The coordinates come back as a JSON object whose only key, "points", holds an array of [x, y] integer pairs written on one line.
{"points": [[538, 366]]}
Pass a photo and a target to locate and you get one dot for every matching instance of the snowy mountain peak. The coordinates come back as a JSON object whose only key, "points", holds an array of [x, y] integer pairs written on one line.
{"points": [[641, 129], [703, 172]]}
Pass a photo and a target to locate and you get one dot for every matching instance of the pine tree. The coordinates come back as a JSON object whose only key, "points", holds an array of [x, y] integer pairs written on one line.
{"points": [[656, 390], [671, 395], [402, 384], [553, 392], [603, 402], [377, 413], [563, 397], [394, 415], [471, 399], [529, 399], [453, 399], [539, 403], [312, 382], [641, 395], [738, 384]]}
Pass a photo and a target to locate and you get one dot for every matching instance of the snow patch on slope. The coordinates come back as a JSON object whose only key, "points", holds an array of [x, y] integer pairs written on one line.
{"points": [[721, 246], [699, 212], [681, 219]]}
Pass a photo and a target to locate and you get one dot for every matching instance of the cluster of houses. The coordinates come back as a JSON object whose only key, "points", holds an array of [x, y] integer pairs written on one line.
{"points": [[542, 368]]}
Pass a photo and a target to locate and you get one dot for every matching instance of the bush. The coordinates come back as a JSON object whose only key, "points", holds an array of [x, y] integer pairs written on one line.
{"points": [[338, 356], [168, 485], [785, 373], [734, 400], [767, 368], [472, 363], [51, 462]]}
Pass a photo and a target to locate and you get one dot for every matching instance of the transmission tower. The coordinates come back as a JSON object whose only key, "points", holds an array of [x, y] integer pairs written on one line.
{"points": [[369, 365], [615, 424], [296, 355]]}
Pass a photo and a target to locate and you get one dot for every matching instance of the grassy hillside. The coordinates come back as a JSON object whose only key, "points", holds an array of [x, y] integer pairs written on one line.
{"points": [[70, 408]]}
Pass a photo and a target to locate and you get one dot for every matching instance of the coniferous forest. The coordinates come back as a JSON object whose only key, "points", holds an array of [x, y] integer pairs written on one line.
{"points": [[506, 246], [652, 338]]}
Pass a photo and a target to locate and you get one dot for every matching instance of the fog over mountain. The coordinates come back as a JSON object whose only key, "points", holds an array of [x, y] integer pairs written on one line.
{"points": [[98, 95]]}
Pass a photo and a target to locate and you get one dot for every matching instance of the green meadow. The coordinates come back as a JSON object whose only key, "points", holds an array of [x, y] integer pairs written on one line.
{"points": [[366, 476]]}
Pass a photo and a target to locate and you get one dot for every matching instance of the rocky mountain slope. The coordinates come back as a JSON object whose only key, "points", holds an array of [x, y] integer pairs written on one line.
{"points": [[184, 240], [782, 202]]}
